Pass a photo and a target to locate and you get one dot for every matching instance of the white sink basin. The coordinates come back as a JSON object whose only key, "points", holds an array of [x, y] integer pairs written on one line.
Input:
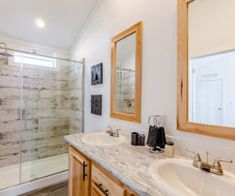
{"points": [[179, 177], [102, 139]]}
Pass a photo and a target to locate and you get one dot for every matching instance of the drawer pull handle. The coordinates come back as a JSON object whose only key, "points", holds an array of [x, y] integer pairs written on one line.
{"points": [[84, 165], [105, 191]]}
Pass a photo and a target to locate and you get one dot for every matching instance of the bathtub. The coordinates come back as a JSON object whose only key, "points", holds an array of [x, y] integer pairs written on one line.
{"points": [[33, 175]]}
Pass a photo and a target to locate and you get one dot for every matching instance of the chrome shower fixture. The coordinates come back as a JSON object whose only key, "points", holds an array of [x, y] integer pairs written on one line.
{"points": [[4, 55]]}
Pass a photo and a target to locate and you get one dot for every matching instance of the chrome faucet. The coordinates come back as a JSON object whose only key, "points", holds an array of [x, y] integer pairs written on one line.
{"points": [[215, 168], [197, 158], [112, 131]]}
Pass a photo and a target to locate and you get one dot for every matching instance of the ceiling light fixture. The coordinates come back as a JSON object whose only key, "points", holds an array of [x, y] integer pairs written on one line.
{"points": [[40, 23]]}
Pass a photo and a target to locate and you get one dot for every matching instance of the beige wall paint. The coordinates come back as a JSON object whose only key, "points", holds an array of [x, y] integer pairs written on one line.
{"points": [[211, 27], [159, 68]]}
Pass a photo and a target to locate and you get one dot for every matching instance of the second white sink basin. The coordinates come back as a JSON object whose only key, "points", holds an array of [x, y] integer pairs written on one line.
{"points": [[102, 139], [179, 177]]}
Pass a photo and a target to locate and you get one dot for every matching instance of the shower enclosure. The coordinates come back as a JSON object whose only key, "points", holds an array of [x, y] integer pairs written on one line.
{"points": [[41, 101]]}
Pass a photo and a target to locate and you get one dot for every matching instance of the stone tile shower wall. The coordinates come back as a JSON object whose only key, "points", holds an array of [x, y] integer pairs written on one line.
{"points": [[125, 91], [51, 98]]}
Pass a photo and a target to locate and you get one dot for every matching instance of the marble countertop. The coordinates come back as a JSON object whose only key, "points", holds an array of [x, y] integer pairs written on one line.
{"points": [[129, 164]]}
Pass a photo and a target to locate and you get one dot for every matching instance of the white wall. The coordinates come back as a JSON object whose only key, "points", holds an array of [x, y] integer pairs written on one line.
{"points": [[213, 32], [30, 46], [159, 67]]}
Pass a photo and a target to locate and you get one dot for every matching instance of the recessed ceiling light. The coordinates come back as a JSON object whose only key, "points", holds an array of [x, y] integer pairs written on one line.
{"points": [[40, 22]]}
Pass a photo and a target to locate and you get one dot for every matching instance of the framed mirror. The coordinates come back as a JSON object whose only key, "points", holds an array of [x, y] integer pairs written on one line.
{"points": [[126, 74], [206, 67]]}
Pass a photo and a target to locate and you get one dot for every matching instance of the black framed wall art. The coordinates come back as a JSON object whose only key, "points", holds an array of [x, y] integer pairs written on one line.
{"points": [[97, 74]]}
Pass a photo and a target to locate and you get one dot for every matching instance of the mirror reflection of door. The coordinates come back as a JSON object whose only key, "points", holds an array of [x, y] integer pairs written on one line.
{"points": [[211, 89], [209, 103], [125, 74], [211, 57]]}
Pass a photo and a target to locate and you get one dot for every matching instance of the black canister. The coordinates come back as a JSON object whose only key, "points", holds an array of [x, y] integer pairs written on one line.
{"points": [[134, 138], [141, 140]]}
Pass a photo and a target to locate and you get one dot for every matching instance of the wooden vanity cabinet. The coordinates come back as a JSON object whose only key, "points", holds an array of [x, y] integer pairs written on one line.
{"points": [[87, 178], [79, 174]]}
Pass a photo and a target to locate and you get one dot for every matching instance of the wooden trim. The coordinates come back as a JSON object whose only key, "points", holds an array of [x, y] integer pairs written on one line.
{"points": [[137, 28], [183, 123], [182, 83]]}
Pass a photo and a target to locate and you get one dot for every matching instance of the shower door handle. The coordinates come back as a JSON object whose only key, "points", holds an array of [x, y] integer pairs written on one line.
{"points": [[84, 165]]}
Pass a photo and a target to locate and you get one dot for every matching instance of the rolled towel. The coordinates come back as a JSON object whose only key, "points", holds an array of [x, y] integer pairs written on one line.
{"points": [[152, 136], [161, 137]]}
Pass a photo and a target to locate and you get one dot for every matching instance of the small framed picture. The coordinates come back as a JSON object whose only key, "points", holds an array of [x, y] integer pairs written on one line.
{"points": [[97, 74], [96, 104]]}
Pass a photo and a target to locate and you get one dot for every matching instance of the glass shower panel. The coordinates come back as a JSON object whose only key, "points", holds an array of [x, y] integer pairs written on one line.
{"points": [[11, 123], [76, 85], [52, 98]]}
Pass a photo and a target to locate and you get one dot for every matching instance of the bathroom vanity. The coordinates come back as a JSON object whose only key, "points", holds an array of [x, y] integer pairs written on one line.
{"points": [[112, 166], [89, 178]]}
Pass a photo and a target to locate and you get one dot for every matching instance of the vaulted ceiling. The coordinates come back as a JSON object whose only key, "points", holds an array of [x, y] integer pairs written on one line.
{"points": [[63, 19]]}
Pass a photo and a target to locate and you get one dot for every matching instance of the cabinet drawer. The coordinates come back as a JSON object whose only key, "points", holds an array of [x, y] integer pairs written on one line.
{"points": [[95, 190], [105, 184]]}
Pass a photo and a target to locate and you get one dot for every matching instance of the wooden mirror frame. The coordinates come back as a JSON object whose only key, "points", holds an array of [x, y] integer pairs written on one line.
{"points": [[183, 123], [137, 28]]}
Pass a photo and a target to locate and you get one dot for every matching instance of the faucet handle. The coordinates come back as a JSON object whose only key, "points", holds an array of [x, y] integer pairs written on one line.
{"points": [[217, 162], [197, 158], [217, 167], [224, 160]]}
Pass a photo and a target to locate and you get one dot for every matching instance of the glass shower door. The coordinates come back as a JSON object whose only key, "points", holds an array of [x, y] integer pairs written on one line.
{"points": [[52, 98], [11, 121], [41, 101]]}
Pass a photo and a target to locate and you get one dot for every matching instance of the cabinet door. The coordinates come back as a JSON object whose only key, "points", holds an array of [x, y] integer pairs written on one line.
{"points": [[79, 174]]}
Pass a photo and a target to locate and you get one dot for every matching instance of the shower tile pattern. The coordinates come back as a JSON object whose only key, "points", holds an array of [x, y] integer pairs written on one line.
{"points": [[51, 109], [125, 91]]}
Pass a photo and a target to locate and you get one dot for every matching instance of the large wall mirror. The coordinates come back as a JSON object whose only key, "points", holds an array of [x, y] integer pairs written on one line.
{"points": [[206, 67], [126, 74]]}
